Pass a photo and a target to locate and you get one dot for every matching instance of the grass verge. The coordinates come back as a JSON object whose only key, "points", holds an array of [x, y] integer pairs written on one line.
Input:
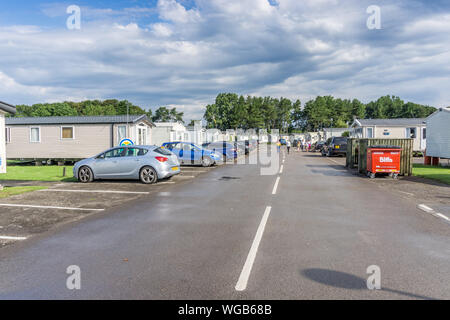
{"points": [[38, 173], [441, 174], [12, 191]]}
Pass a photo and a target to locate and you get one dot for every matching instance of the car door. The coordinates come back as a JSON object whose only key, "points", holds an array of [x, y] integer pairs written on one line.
{"points": [[174, 148], [108, 166], [186, 153], [130, 164]]}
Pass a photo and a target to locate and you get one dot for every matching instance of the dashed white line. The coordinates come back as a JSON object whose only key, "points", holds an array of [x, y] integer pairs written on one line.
{"points": [[442, 216], [12, 238], [281, 169], [274, 191], [92, 191], [427, 209], [241, 285], [46, 207]]}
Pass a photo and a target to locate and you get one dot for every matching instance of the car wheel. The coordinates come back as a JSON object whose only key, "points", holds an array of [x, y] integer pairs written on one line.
{"points": [[85, 175], [206, 162], [148, 175]]}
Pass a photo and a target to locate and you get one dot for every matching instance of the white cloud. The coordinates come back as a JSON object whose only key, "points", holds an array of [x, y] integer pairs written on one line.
{"points": [[296, 49]]}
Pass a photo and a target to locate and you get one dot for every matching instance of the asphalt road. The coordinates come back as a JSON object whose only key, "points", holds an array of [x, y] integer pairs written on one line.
{"points": [[233, 233]]}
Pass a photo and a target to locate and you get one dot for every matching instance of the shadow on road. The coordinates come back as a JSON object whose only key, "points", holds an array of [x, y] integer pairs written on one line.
{"points": [[348, 281], [334, 166]]}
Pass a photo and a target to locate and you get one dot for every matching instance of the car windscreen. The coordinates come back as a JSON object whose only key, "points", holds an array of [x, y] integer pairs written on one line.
{"points": [[340, 140], [162, 151]]}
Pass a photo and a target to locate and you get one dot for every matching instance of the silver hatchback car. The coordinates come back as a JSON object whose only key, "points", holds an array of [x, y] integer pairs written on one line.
{"points": [[146, 163]]}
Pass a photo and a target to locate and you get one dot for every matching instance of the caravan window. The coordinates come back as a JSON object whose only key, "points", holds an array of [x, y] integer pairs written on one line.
{"points": [[411, 133], [8, 135], [121, 133], [35, 134], [67, 133]]}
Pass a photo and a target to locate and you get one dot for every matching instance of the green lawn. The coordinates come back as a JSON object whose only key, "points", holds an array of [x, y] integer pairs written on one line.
{"points": [[12, 191], [436, 173], [37, 173]]}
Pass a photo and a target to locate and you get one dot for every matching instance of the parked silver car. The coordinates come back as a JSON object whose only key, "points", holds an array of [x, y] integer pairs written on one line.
{"points": [[146, 163]]}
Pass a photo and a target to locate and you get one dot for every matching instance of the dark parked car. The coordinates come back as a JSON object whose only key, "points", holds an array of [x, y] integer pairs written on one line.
{"points": [[319, 146], [335, 146], [230, 150]]}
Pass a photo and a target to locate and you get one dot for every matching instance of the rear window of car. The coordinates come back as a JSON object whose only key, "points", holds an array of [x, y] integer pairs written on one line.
{"points": [[136, 152], [340, 140], [162, 151]]}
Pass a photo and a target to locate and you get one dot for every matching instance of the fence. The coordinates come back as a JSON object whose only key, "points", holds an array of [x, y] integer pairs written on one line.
{"points": [[357, 153]]}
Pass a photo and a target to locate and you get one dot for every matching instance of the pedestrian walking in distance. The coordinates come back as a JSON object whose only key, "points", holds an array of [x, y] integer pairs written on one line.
{"points": [[288, 146]]}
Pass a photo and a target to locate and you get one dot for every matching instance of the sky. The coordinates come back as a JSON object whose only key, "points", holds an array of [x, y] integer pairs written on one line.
{"points": [[182, 53]]}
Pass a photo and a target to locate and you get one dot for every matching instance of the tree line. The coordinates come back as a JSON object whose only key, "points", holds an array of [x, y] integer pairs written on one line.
{"points": [[109, 107], [232, 111]]}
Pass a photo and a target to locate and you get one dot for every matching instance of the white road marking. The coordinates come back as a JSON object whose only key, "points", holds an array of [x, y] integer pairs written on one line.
{"points": [[274, 191], [12, 238], [443, 216], [47, 207], [183, 176], [283, 160], [281, 169], [241, 285], [93, 191], [427, 209]]}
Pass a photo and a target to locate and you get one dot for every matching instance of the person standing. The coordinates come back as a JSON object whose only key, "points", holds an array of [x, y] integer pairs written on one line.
{"points": [[288, 145], [278, 146]]}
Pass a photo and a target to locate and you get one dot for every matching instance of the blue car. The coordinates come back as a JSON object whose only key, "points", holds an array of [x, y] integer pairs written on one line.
{"points": [[190, 153], [228, 149]]}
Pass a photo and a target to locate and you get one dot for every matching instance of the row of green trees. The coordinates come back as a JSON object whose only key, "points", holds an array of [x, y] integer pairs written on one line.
{"points": [[96, 108], [233, 111]]}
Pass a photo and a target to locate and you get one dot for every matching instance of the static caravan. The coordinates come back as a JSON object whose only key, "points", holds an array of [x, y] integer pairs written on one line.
{"points": [[169, 132], [333, 132], [5, 109], [438, 134], [414, 128], [72, 138]]}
